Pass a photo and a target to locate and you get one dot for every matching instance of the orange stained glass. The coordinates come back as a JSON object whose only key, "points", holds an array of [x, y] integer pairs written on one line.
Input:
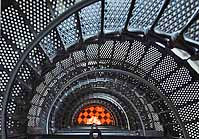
{"points": [[95, 114]]}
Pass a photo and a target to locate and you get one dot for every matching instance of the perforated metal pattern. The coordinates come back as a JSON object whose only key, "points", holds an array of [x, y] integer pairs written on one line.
{"points": [[189, 114], [68, 31], [35, 110], [25, 73], [79, 56], [144, 14], [13, 25], [40, 88], [33, 118], [48, 77], [152, 56], [57, 70], [177, 79], [133, 57], [67, 62], [36, 101], [12, 124], [59, 6], [193, 31], [166, 66], [115, 14], [92, 51], [8, 57], [37, 13], [90, 19], [185, 95], [177, 130], [121, 50], [106, 50], [50, 44], [193, 129], [11, 107], [37, 57], [173, 80], [176, 15], [4, 78], [119, 85]]}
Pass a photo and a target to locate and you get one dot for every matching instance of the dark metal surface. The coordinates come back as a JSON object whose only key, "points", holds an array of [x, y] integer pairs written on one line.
{"points": [[174, 40], [161, 11], [87, 137], [31, 46]]}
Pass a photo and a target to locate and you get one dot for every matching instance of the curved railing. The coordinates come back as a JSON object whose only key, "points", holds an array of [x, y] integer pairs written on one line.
{"points": [[111, 28]]}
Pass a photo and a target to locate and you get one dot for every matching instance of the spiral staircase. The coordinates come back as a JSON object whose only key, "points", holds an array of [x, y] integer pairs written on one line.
{"points": [[137, 58]]}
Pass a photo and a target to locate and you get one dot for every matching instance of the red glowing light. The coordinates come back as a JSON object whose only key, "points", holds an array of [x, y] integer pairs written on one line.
{"points": [[95, 114]]}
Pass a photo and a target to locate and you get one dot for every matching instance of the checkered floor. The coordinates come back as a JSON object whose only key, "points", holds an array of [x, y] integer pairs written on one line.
{"points": [[96, 114]]}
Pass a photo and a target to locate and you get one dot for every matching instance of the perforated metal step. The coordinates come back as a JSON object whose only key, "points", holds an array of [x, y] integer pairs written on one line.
{"points": [[45, 43]]}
